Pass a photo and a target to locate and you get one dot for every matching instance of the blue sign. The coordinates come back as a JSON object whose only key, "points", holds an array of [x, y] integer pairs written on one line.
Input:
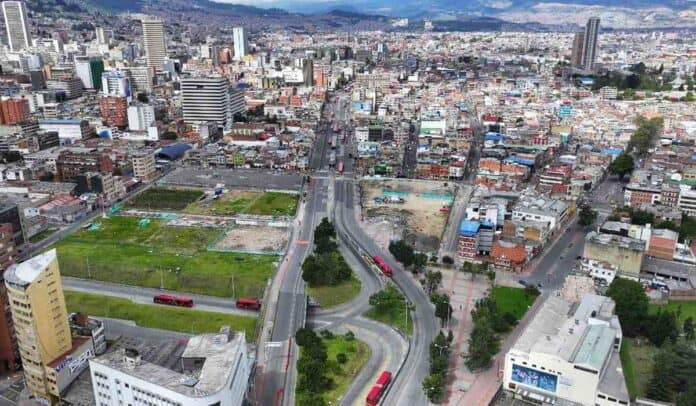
{"points": [[532, 377]]}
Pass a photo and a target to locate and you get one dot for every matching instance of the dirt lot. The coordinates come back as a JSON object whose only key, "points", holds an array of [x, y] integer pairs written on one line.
{"points": [[418, 217], [254, 239]]}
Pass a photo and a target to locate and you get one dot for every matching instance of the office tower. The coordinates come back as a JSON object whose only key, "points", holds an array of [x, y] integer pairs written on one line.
{"points": [[589, 46], [140, 78], [576, 57], [209, 99], [101, 35], [153, 42], [115, 83], [51, 358], [17, 25], [241, 42], [89, 71], [140, 117], [308, 72]]}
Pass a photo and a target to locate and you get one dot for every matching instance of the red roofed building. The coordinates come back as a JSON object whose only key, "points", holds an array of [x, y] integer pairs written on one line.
{"points": [[509, 255]]}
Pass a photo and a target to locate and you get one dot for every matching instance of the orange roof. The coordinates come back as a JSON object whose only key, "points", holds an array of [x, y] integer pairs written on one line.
{"points": [[513, 253]]}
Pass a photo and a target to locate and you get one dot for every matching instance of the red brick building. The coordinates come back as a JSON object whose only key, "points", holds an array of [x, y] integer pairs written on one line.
{"points": [[14, 111], [509, 255], [70, 164], [114, 110]]}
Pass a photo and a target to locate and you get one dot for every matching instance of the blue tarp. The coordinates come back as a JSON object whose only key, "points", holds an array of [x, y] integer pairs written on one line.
{"points": [[469, 228], [527, 162], [494, 137], [174, 151], [612, 151]]}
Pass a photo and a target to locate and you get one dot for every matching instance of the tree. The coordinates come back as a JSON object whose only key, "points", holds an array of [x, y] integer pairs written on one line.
{"points": [[642, 217], [142, 98], [587, 215], [432, 386], [447, 260], [341, 358], [622, 165], [325, 229], [432, 281], [689, 328], [419, 261], [443, 309], [631, 305], [483, 344], [168, 135], [402, 251], [662, 326], [668, 225]]}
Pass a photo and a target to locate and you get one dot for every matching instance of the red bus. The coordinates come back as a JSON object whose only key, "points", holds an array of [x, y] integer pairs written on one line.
{"points": [[383, 266], [252, 304], [173, 300], [340, 167], [377, 391]]}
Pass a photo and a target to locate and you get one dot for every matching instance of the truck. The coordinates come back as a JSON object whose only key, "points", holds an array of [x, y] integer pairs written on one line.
{"points": [[332, 159], [383, 266], [377, 391]]}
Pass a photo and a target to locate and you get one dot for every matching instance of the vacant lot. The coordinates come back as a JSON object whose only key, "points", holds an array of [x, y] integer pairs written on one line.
{"points": [[254, 239], [418, 215], [637, 362], [247, 202], [513, 300], [158, 198], [156, 316], [685, 309], [123, 251]]}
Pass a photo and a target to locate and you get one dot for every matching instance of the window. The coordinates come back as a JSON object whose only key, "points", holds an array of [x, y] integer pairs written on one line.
{"points": [[601, 396]]}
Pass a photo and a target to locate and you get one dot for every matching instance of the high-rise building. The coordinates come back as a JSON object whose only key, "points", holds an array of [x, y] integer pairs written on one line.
{"points": [[89, 71], [210, 99], [308, 72], [144, 167], [140, 78], [153, 42], [101, 35], [14, 111], [115, 83], [51, 357], [589, 46], [9, 352], [17, 25], [241, 42], [578, 41], [114, 110], [140, 117]]}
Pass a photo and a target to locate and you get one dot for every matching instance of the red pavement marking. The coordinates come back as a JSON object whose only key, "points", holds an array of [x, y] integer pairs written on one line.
{"points": [[301, 242]]}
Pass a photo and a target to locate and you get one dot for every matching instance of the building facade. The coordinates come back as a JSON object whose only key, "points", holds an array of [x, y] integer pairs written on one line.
{"points": [[114, 110], [241, 42], [17, 25], [589, 46], [14, 111], [154, 42], [144, 166]]}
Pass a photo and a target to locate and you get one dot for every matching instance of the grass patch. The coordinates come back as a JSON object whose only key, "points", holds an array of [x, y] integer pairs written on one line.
{"points": [[258, 203], [158, 316], [685, 309], [159, 198], [342, 374], [393, 310], [42, 235], [512, 300], [122, 252], [330, 296], [637, 362]]}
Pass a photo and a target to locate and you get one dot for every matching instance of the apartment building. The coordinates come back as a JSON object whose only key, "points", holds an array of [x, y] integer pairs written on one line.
{"points": [[144, 166]]}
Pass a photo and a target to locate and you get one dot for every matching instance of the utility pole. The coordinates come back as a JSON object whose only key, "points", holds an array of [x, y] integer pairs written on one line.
{"points": [[234, 294], [89, 273], [161, 279]]}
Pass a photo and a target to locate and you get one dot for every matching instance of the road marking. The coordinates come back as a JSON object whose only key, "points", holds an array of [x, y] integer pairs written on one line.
{"points": [[274, 344], [301, 242]]}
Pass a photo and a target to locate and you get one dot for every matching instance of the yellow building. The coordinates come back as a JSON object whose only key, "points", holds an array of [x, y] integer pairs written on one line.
{"points": [[49, 357]]}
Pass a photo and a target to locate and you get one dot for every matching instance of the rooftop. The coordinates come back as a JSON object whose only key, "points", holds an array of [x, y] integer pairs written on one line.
{"points": [[617, 240], [26, 272]]}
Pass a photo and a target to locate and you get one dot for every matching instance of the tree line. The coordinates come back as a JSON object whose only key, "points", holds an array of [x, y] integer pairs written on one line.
{"points": [[326, 266]]}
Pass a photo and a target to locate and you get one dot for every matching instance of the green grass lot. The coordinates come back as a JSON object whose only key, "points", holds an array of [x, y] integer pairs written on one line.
{"points": [[42, 235], [158, 316], [396, 318], [513, 300], [330, 296], [686, 309], [342, 374], [259, 203], [123, 252], [637, 363], [159, 198]]}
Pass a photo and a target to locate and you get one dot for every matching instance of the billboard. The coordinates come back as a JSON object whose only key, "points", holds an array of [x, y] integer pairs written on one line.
{"points": [[534, 378]]}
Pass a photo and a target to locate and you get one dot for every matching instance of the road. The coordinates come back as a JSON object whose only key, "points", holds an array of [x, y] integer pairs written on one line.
{"points": [[144, 295]]}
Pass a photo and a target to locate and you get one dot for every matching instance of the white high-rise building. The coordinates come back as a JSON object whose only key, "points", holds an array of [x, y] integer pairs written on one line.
{"points": [[116, 83], [140, 117], [153, 42], [17, 25], [210, 99], [589, 47], [216, 370], [241, 42], [101, 35]]}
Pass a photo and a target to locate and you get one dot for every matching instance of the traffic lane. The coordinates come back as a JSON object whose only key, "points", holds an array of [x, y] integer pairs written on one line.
{"points": [[559, 261]]}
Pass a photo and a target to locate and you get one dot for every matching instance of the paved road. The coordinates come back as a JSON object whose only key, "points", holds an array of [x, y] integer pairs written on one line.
{"points": [[144, 295], [450, 239]]}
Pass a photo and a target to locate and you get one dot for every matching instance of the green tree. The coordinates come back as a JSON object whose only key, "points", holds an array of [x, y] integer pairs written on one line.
{"points": [[169, 135], [622, 165], [668, 225], [587, 215], [642, 217], [483, 344], [689, 328], [443, 309], [631, 305], [402, 251], [325, 229], [433, 387], [662, 326], [432, 281], [419, 261]]}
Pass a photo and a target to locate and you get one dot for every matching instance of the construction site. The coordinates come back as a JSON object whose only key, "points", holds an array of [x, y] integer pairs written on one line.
{"points": [[415, 210], [262, 239]]}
